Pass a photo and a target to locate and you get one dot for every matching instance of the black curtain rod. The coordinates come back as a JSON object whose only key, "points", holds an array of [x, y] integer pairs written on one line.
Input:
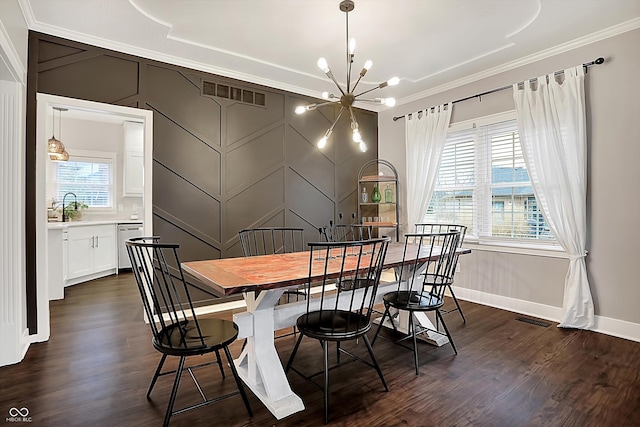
{"points": [[587, 65]]}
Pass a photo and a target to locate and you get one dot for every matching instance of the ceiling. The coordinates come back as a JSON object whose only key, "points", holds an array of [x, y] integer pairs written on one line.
{"points": [[432, 45]]}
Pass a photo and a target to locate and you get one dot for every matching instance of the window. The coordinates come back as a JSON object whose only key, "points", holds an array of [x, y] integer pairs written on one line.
{"points": [[87, 174], [483, 183]]}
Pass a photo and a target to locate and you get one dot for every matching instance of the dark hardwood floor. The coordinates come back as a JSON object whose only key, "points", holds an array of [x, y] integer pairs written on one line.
{"points": [[95, 369]]}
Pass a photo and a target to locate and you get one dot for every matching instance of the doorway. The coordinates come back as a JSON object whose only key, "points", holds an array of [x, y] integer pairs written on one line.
{"points": [[44, 124]]}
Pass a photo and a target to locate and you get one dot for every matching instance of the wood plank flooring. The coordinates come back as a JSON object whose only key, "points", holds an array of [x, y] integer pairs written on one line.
{"points": [[95, 369]]}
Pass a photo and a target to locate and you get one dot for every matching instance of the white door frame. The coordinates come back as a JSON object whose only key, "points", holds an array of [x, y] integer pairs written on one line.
{"points": [[45, 103]]}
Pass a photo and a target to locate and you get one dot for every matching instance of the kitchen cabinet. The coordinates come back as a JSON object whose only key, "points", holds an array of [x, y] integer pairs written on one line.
{"points": [[58, 266], [133, 163], [92, 252], [378, 196]]}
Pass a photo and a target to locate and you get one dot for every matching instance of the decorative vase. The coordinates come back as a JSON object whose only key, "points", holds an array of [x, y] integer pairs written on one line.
{"points": [[376, 196], [388, 195]]}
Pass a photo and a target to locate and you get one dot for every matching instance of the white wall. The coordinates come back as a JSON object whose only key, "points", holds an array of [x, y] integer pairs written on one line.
{"points": [[534, 284]]}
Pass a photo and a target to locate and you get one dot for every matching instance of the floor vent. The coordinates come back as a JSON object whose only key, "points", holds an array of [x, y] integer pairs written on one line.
{"points": [[533, 321]]}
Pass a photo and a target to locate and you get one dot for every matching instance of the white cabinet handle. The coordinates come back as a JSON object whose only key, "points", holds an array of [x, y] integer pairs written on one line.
{"points": [[97, 241]]}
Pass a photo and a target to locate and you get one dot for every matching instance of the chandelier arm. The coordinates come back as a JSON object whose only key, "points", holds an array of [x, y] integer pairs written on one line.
{"points": [[367, 91], [335, 121], [356, 85], [353, 117], [330, 75], [315, 106]]}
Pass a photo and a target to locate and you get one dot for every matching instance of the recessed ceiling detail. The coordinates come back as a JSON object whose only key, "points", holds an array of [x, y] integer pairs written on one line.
{"points": [[428, 44]]}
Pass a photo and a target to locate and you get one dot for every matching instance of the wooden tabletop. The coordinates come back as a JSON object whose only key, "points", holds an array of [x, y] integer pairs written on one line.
{"points": [[230, 276]]}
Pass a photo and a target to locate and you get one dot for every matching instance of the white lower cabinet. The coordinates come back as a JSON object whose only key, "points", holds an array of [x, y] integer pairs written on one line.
{"points": [[92, 252]]}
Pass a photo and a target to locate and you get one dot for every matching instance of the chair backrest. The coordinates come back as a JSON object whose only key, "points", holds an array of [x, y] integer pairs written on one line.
{"points": [[346, 232], [430, 277], [165, 294], [271, 240], [337, 262], [439, 228]]}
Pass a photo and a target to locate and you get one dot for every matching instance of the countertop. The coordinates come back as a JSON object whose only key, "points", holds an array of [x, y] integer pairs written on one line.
{"points": [[54, 225]]}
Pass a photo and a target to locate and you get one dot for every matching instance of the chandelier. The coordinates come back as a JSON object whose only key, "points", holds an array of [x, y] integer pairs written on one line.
{"points": [[347, 93]]}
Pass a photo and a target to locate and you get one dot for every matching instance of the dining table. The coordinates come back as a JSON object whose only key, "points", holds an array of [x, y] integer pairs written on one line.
{"points": [[262, 280]]}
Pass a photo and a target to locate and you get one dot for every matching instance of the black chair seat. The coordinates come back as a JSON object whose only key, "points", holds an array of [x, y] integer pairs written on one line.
{"points": [[333, 325], [184, 338], [414, 301]]}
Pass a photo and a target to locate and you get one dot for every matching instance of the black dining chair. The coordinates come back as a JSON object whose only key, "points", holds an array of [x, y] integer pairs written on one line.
{"points": [[346, 232], [421, 285], [176, 329], [274, 240], [439, 228], [341, 316]]}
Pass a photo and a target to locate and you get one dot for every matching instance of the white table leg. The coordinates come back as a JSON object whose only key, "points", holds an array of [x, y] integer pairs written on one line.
{"points": [[259, 365]]}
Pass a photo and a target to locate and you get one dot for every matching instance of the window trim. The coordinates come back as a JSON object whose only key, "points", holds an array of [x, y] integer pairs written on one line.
{"points": [[551, 249], [95, 157]]}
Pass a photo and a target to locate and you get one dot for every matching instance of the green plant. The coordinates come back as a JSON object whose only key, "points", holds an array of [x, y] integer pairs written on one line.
{"points": [[70, 210]]}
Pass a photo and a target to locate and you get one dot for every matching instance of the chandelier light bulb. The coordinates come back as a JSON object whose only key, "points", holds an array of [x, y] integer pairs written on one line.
{"points": [[301, 109], [357, 137], [390, 102], [363, 147], [322, 143], [352, 46], [393, 81], [368, 64], [325, 95], [323, 65]]}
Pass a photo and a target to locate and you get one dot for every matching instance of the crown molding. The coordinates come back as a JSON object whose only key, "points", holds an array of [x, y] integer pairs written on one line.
{"points": [[615, 30], [9, 56]]}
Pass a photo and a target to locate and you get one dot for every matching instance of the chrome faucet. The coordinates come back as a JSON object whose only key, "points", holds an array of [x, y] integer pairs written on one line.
{"points": [[75, 201]]}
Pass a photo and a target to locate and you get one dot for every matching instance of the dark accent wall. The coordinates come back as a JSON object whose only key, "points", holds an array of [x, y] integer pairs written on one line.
{"points": [[220, 165]]}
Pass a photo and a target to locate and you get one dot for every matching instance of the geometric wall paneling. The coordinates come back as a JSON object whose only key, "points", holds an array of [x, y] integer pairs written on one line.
{"points": [[186, 155], [194, 210], [253, 204], [242, 119], [252, 158], [190, 246], [49, 50], [309, 162], [307, 201], [221, 163], [177, 97], [102, 78]]}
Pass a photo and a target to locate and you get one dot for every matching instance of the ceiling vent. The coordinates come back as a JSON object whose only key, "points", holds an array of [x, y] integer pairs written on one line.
{"points": [[234, 93]]}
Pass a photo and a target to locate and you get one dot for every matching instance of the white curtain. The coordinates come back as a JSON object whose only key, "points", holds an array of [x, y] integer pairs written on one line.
{"points": [[551, 121], [426, 133]]}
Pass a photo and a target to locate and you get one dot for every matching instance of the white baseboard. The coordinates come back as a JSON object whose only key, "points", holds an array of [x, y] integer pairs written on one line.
{"points": [[606, 325]]}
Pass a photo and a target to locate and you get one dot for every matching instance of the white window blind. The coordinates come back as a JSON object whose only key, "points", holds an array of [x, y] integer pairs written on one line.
{"points": [[90, 178], [483, 183]]}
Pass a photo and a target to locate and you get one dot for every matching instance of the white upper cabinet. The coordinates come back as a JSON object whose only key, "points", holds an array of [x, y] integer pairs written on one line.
{"points": [[133, 159]]}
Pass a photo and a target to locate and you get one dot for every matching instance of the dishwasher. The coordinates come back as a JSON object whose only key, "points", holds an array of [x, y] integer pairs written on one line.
{"points": [[126, 231]]}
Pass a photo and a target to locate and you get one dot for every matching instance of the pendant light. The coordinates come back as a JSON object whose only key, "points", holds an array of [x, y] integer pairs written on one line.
{"points": [[348, 96], [56, 149]]}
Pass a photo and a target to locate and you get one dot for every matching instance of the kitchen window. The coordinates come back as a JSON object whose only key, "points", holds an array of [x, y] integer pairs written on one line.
{"points": [[484, 184], [89, 175]]}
